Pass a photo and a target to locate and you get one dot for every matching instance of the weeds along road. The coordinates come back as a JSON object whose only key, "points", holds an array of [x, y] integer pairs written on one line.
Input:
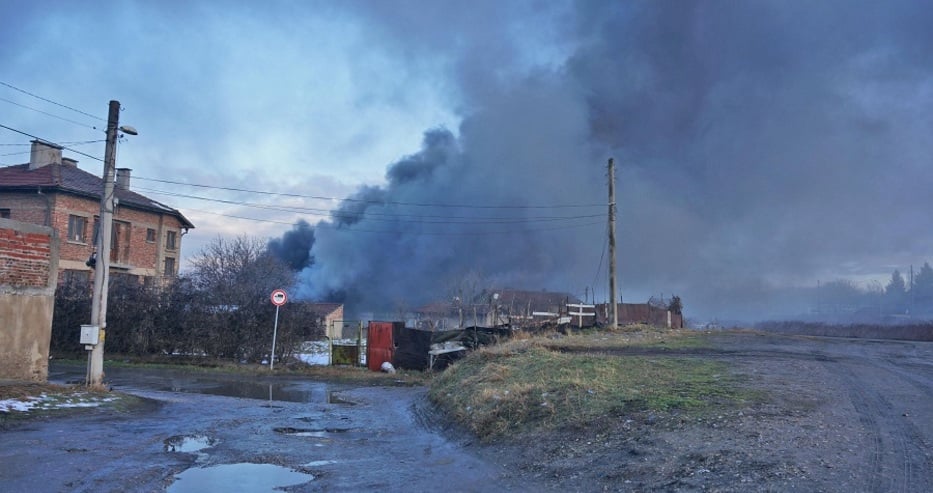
{"points": [[841, 415]]}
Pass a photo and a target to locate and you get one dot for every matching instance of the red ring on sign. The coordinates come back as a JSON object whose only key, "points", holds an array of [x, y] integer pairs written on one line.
{"points": [[279, 297]]}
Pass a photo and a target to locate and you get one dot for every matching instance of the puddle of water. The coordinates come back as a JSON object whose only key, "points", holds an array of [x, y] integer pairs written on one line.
{"points": [[319, 463], [188, 443], [333, 397], [180, 381], [237, 477], [252, 390], [312, 434], [308, 432]]}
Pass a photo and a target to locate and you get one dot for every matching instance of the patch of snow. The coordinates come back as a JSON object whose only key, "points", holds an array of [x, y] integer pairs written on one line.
{"points": [[47, 402], [314, 358], [17, 405]]}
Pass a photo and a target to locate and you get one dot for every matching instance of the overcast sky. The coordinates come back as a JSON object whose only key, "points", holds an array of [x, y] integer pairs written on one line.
{"points": [[760, 144], [304, 97]]}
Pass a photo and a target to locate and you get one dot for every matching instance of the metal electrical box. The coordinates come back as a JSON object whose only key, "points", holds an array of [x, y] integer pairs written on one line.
{"points": [[90, 335]]}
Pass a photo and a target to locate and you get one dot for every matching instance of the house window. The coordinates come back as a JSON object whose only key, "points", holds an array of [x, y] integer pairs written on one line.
{"points": [[169, 269], [76, 228], [4, 213], [170, 239], [96, 230], [120, 242], [150, 235]]}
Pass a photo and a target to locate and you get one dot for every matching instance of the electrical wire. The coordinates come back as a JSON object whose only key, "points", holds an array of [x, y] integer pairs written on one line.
{"points": [[421, 219], [48, 114], [11, 86], [599, 267], [79, 142], [406, 232], [50, 142], [380, 202]]}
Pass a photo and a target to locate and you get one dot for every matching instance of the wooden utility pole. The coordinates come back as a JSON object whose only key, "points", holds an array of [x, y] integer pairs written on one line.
{"points": [[612, 244], [102, 269]]}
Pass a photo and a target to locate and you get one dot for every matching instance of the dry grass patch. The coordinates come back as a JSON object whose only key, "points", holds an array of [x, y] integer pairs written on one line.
{"points": [[637, 335], [523, 385], [25, 390]]}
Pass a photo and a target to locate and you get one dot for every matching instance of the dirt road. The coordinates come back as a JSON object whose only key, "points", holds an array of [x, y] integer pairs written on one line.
{"points": [[840, 416], [883, 392]]}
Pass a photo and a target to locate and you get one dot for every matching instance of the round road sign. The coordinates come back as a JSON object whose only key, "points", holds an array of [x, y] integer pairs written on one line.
{"points": [[279, 297]]}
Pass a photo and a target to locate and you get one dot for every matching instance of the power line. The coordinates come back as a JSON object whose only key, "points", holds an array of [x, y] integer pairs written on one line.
{"points": [[48, 114], [599, 267], [420, 219], [11, 86], [240, 217], [376, 202], [50, 142], [409, 232], [469, 233], [81, 142]]}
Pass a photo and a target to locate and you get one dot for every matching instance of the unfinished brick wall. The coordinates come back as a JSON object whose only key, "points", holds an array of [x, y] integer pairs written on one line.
{"points": [[24, 258], [28, 275]]}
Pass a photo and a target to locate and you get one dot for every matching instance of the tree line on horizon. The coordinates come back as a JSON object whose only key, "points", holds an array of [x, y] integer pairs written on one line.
{"points": [[899, 297]]}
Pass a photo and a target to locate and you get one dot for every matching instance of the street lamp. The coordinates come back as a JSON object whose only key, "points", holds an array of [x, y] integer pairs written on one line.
{"points": [[102, 270]]}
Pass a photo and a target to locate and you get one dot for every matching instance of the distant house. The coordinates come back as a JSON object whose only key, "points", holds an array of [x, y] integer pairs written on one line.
{"points": [[329, 316], [50, 190]]}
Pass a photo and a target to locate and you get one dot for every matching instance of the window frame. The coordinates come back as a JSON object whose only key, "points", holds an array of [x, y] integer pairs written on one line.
{"points": [[120, 246], [75, 234], [171, 240], [165, 266], [150, 235]]}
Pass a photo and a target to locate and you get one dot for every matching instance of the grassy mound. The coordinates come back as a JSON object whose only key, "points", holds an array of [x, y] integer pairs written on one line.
{"points": [[527, 385]]}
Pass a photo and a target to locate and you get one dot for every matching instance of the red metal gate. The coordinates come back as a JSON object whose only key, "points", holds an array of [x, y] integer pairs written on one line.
{"points": [[380, 345]]}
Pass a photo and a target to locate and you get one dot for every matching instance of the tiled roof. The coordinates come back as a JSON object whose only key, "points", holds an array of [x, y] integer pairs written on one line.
{"points": [[71, 179], [537, 298], [324, 309]]}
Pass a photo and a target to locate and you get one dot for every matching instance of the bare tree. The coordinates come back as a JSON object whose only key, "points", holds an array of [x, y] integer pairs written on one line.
{"points": [[235, 278]]}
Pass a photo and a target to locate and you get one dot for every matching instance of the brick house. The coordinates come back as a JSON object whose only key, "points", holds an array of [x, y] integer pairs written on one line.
{"points": [[50, 190]]}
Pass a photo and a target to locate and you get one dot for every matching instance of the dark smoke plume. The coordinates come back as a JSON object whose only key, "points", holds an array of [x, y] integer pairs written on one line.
{"points": [[294, 247], [762, 146]]}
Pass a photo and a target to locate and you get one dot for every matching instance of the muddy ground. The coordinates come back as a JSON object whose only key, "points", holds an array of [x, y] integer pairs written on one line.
{"points": [[838, 415], [841, 415]]}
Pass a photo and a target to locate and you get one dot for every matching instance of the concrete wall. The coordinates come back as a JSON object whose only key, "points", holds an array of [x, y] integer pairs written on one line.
{"points": [[28, 275]]}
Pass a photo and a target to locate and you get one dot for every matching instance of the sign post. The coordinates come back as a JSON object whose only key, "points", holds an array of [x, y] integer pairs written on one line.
{"points": [[278, 299]]}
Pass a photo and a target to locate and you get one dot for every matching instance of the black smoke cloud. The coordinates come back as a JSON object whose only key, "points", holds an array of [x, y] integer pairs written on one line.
{"points": [[294, 247], [762, 145]]}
